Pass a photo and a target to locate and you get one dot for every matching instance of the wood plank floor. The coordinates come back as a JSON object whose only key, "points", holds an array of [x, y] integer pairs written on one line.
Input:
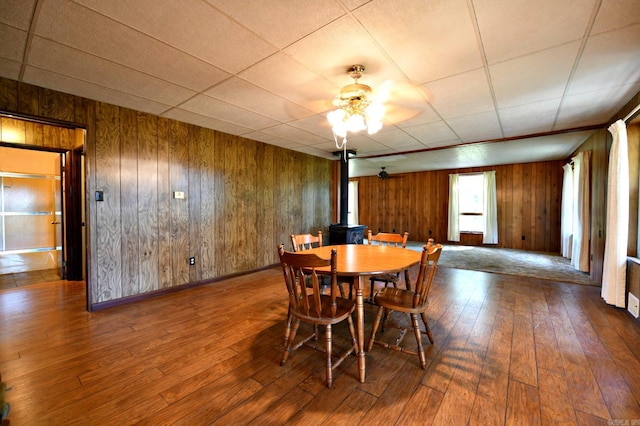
{"points": [[508, 350]]}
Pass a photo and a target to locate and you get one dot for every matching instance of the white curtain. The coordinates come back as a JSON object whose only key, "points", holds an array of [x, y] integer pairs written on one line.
{"points": [[581, 211], [453, 231], [353, 214], [566, 212], [490, 209], [615, 249]]}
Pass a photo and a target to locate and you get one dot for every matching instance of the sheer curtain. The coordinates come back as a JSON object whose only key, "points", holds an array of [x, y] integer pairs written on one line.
{"points": [[581, 211], [453, 230], [615, 249], [566, 219], [490, 209]]}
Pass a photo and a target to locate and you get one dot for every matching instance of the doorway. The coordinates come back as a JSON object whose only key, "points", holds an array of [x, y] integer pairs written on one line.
{"points": [[41, 223]]}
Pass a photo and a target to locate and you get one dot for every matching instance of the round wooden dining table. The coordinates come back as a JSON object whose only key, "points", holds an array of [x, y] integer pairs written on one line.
{"points": [[362, 261]]}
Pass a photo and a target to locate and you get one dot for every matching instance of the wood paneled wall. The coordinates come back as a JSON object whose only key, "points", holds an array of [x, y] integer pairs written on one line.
{"points": [[528, 204], [242, 197]]}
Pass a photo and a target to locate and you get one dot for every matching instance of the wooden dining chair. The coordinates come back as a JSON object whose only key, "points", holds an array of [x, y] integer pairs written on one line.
{"points": [[387, 239], [413, 303], [306, 241], [312, 306], [300, 242]]}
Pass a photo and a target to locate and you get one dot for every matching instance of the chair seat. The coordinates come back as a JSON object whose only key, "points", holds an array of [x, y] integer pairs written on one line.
{"points": [[398, 299], [344, 308]]}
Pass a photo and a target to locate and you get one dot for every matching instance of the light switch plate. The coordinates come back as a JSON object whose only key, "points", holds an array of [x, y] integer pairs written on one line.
{"points": [[178, 195]]}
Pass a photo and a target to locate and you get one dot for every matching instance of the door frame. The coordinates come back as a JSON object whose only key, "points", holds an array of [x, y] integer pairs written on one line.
{"points": [[75, 243]]}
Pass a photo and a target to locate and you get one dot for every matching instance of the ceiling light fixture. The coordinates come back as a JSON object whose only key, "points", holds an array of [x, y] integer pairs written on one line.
{"points": [[357, 110]]}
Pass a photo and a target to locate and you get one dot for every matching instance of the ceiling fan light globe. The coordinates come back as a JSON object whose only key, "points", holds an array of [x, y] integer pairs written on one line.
{"points": [[335, 117], [356, 123], [373, 126], [375, 111]]}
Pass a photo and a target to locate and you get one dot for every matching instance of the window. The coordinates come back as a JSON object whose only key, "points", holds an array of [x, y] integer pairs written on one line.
{"points": [[471, 201]]}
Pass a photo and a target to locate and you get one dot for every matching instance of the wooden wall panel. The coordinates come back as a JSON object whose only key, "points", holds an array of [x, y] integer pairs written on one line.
{"points": [[179, 181], [57, 105], [265, 215], [9, 95], [247, 231], [418, 203], [231, 204], [29, 100], [207, 204], [193, 201], [129, 202], [220, 197], [107, 226], [165, 271], [147, 214]]}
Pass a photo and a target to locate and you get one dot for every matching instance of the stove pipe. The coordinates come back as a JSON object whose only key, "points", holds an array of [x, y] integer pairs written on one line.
{"points": [[344, 184]]}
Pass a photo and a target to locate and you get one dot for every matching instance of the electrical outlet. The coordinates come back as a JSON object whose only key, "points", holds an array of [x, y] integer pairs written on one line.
{"points": [[192, 260], [632, 306]]}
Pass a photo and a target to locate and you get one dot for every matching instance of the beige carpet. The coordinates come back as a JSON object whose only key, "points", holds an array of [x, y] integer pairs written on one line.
{"points": [[547, 266]]}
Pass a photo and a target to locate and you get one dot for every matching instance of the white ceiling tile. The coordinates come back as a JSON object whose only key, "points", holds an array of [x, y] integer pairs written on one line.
{"points": [[250, 97], [443, 41], [600, 105], [616, 14], [13, 43], [294, 134], [519, 81], [287, 78], [432, 134], [513, 28], [607, 60], [63, 83], [530, 118], [10, 69], [17, 13], [206, 121], [395, 138], [476, 127], [462, 94], [295, 18], [191, 26], [316, 124], [102, 37], [224, 111], [82, 66], [331, 50]]}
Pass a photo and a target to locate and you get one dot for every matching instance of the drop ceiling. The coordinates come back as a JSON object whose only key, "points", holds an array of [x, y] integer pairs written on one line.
{"points": [[500, 81]]}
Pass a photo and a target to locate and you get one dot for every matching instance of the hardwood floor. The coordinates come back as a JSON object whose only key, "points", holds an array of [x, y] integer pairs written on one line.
{"points": [[508, 350]]}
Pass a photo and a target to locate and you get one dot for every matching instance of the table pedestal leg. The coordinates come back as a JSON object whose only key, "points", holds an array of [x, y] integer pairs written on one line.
{"points": [[360, 323]]}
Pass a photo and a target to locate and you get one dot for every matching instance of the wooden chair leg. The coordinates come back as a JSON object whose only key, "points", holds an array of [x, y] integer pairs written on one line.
{"points": [[328, 350], [426, 326], [352, 331], [418, 334], [376, 323], [407, 280], [287, 330], [292, 336]]}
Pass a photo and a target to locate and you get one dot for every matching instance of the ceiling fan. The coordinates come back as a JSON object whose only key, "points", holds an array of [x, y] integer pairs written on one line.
{"points": [[362, 107], [383, 174]]}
